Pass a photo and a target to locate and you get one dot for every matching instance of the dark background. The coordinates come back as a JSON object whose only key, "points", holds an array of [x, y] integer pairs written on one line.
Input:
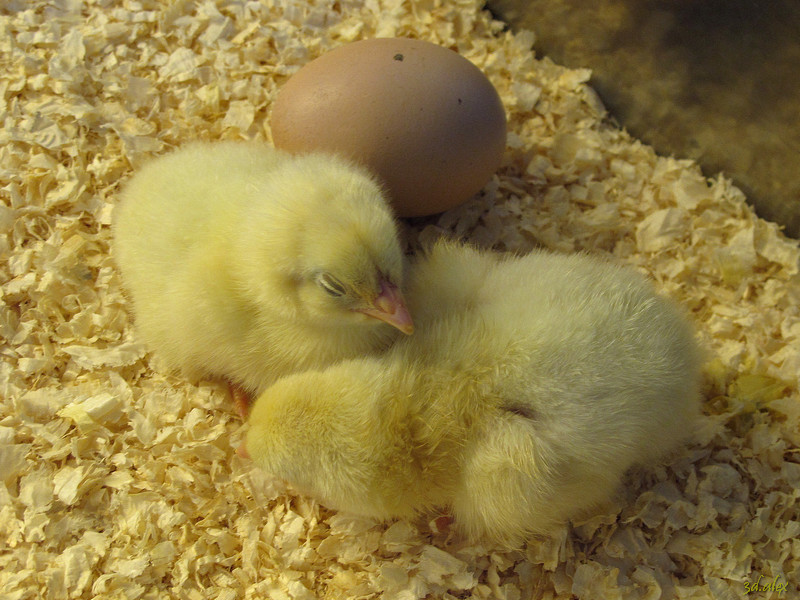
{"points": [[713, 80]]}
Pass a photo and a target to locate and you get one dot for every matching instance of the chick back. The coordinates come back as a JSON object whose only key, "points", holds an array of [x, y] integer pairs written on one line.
{"points": [[559, 373]]}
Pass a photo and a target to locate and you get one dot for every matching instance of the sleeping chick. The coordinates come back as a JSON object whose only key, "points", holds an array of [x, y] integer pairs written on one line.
{"points": [[529, 387], [246, 263]]}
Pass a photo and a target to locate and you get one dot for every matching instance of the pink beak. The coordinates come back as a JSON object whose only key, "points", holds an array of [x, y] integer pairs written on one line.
{"points": [[390, 308]]}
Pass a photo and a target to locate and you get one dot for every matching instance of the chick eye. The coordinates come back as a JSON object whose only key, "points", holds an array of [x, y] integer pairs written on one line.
{"points": [[521, 410], [331, 285]]}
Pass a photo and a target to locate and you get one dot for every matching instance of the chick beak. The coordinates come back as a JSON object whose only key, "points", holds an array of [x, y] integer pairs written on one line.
{"points": [[390, 307]]}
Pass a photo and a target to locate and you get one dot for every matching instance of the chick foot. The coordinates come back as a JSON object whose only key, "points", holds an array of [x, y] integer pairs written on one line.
{"points": [[241, 400], [443, 523]]}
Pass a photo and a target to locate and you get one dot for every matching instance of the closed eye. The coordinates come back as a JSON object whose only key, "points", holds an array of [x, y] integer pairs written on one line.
{"points": [[331, 285], [521, 410]]}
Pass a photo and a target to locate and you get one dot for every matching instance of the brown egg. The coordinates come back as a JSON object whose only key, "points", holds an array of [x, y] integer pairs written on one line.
{"points": [[426, 120]]}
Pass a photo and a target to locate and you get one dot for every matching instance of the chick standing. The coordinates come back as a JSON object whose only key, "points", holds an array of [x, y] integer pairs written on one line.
{"points": [[529, 387], [247, 263]]}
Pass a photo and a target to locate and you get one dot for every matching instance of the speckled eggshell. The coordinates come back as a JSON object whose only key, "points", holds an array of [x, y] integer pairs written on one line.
{"points": [[422, 117]]}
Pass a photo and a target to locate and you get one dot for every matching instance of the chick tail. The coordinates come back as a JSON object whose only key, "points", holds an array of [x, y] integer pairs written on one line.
{"points": [[390, 307]]}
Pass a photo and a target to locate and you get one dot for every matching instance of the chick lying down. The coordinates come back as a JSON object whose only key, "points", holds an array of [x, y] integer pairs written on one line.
{"points": [[529, 387], [247, 263]]}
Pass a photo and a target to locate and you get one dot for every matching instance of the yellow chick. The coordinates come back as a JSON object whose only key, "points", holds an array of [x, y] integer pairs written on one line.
{"points": [[247, 263], [530, 386]]}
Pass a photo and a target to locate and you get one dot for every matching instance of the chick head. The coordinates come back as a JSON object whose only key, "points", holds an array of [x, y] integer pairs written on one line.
{"points": [[350, 261]]}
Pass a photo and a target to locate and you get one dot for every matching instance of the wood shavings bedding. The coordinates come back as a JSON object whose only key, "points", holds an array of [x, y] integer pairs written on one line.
{"points": [[122, 482]]}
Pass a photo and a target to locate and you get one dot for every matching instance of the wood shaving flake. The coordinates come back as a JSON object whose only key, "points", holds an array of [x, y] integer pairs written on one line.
{"points": [[120, 481]]}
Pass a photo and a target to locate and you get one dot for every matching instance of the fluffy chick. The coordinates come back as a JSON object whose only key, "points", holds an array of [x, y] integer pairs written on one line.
{"points": [[529, 387], [247, 263]]}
